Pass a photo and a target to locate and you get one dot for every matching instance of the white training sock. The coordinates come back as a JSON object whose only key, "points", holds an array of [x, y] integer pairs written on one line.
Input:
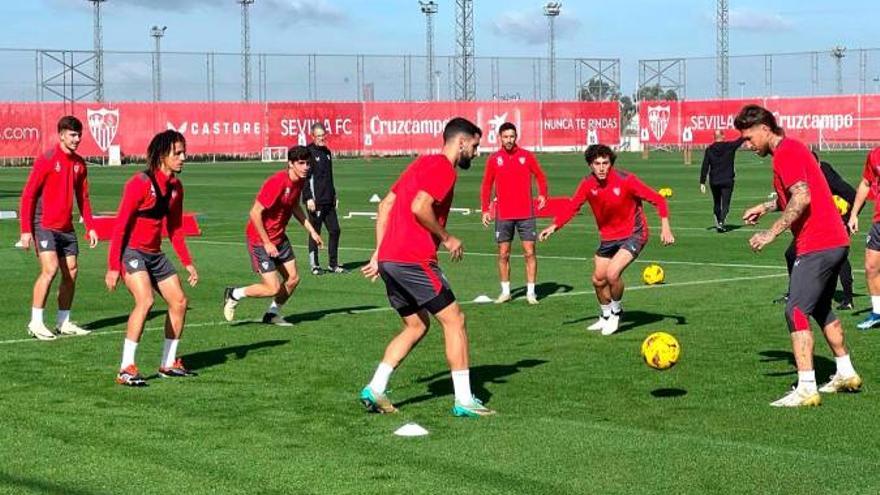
{"points": [[62, 317], [615, 306], [505, 288], [36, 315], [380, 379], [461, 382], [169, 352], [128, 350], [274, 308], [807, 381], [530, 289], [238, 293], [844, 366], [606, 310], [875, 304]]}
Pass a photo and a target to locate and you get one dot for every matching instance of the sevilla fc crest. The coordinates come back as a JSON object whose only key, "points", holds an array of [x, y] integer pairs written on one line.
{"points": [[103, 124], [522, 160], [616, 191], [658, 120]]}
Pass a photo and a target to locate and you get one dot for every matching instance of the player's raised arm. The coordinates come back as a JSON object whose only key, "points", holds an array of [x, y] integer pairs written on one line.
{"points": [[646, 193]]}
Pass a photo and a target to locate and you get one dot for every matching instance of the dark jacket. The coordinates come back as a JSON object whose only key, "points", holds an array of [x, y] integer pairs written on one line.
{"points": [[319, 183], [838, 186], [718, 162]]}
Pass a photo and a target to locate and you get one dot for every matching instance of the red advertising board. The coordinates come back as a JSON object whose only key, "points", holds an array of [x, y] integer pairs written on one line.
{"points": [[289, 123], [577, 124]]}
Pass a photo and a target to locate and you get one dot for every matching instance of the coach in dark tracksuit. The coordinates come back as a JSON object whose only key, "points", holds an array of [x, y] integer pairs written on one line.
{"points": [[839, 187], [319, 196], [718, 166]]}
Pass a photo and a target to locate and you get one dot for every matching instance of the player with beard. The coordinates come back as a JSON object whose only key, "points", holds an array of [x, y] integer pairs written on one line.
{"points": [[411, 224]]}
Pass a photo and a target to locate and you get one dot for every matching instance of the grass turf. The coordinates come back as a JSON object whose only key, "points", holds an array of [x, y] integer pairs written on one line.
{"points": [[274, 409]]}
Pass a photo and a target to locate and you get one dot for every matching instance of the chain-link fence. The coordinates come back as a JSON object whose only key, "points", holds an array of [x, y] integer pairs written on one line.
{"points": [[69, 75]]}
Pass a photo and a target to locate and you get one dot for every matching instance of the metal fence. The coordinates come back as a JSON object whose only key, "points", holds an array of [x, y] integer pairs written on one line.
{"points": [[68, 75], [829, 72]]}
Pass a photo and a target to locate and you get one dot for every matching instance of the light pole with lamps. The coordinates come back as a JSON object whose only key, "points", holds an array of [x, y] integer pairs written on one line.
{"points": [[157, 33]]}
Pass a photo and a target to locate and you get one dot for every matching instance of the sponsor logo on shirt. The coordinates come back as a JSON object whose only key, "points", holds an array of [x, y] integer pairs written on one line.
{"points": [[500, 161], [103, 124]]}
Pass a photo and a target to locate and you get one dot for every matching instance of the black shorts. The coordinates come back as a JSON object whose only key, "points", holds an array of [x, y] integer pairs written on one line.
{"points": [[415, 286], [157, 265], [63, 243], [526, 228], [874, 237], [634, 244], [263, 263], [811, 287]]}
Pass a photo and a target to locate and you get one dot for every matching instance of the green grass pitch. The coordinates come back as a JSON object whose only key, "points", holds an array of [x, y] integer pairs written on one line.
{"points": [[274, 410]]}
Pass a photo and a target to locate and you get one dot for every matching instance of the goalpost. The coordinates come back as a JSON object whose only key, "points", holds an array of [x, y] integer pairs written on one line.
{"points": [[274, 154]]}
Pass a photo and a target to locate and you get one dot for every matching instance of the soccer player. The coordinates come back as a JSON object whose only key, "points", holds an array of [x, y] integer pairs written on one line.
{"points": [[319, 195], [718, 168], [411, 223], [870, 183], [150, 198], [268, 245], [58, 176], [615, 196], [510, 171], [821, 245]]}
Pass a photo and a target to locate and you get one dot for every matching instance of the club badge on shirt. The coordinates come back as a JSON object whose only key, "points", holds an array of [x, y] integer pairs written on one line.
{"points": [[616, 191], [522, 160], [133, 263], [57, 167], [76, 169], [595, 192]]}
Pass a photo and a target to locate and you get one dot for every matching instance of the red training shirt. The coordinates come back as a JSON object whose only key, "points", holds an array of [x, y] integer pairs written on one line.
{"points": [[872, 175], [406, 240], [47, 198], [616, 204], [278, 195], [819, 227], [511, 174], [142, 233]]}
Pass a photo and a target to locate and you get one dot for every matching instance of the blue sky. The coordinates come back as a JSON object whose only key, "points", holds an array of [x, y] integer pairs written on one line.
{"points": [[629, 30]]}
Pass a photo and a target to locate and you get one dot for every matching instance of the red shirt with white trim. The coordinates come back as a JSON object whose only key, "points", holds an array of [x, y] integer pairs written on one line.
{"points": [[143, 233], [278, 195], [616, 203], [406, 240], [819, 227], [511, 174], [872, 175], [47, 197]]}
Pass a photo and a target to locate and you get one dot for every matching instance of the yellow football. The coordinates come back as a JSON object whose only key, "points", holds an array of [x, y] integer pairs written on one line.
{"points": [[661, 350], [653, 274], [666, 192]]}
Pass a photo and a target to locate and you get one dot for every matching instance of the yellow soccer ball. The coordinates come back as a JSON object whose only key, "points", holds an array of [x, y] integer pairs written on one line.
{"points": [[666, 192], [661, 350], [841, 204], [653, 274]]}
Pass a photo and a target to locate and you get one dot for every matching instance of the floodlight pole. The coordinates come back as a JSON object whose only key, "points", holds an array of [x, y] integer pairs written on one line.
{"points": [[157, 33], [838, 52], [465, 71], [429, 8], [552, 11], [98, 47], [245, 49], [722, 49]]}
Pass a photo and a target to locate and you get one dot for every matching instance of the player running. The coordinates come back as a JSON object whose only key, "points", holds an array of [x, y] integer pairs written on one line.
{"points": [[46, 206], [150, 198], [269, 248], [615, 196], [821, 246], [411, 223], [510, 171], [870, 183]]}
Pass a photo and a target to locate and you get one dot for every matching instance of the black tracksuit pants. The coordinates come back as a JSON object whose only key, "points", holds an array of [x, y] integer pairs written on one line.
{"points": [[721, 195], [846, 277], [325, 215]]}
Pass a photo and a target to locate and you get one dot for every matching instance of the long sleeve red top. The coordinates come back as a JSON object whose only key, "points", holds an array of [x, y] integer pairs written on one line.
{"points": [[511, 174], [135, 231], [616, 204], [47, 197]]}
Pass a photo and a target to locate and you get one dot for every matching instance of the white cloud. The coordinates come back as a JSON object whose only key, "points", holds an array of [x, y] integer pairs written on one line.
{"points": [[531, 27], [753, 20]]}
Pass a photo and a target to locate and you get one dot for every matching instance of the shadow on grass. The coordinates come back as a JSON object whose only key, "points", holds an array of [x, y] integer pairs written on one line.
{"points": [[440, 384], [727, 228], [120, 320], [207, 359], [664, 393], [19, 484], [824, 367], [311, 315], [634, 319], [543, 290]]}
